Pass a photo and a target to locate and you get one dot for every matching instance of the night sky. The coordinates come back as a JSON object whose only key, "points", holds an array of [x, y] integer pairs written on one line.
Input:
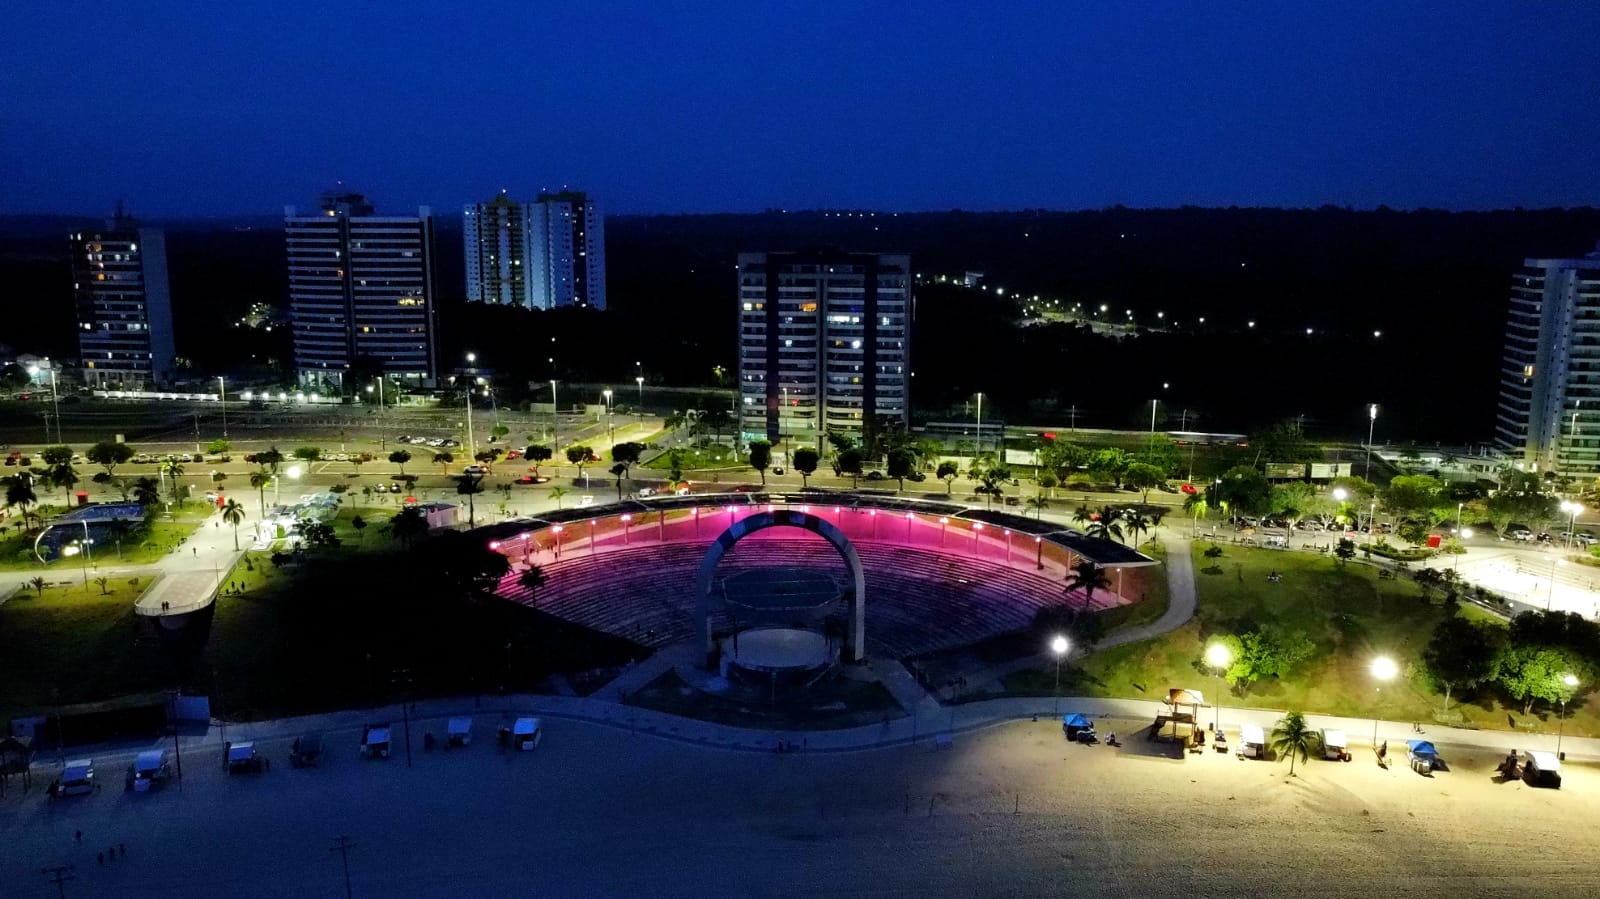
{"points": [[240, 108]]}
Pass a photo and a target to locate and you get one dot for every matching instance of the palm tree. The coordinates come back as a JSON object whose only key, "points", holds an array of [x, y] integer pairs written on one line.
{"points": [[1104, 526], [1082, 515], [259, 479], [1038, 504], [1292, 736], [38, 584], [233, 513], [532, 579], [619, 471], [146, 491], [19, 492], [556, 493], [408, 524], [173, 469], [63, 475], [1197, 507], [1135, 523], [1088, 577]]}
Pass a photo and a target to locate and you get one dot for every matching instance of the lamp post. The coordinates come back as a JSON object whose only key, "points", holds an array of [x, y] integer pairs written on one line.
{"points": [[555, 422], [472, 446], [222, 397], [1570, 681], [639, 379], [55, 400], [1153, 401], [1550, 594], [980, 439], [1372, 423], [1465, 533], [1571, 508], [1383, 669], [1218, 657], [611, 417], [1059, 647], [382, 443]]}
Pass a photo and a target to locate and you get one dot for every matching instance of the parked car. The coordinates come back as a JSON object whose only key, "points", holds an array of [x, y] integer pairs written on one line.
{"points": [[1584, 538], [404, 438], [513, 454], [874, 475], [77, 779], [149, 769], [1520, 533], [479, 470]]}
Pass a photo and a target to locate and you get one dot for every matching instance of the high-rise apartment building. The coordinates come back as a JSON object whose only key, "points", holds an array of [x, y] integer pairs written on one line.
{"points": [[361, 293], [124, 306], [568, 237], [538, 255], [824, 344], [1549, 413]]}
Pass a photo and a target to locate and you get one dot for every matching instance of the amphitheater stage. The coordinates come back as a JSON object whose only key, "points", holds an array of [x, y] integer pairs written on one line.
{"points": [[777, 649]]}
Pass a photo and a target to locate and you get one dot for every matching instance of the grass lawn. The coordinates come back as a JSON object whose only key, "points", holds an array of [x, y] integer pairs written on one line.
{"points": [[834, 702], [701, 460], [145, 544], [76, 645], [1348, 613]]}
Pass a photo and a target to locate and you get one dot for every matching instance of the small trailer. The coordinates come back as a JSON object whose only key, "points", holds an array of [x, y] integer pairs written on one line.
{"points": [[527, 733], [243, 758], [1335, 745], [1252, 742], [375, 741], [77, 779], [458, 732], [149, 769]]}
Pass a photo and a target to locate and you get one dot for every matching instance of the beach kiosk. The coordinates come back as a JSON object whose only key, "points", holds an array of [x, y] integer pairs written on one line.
{"points": [[375, 741], [1541, 769], [77, 778], [1335, 745], [1252, 742], [242, 757], [148, 770], [458, 732], [526, 733], [307, 751], [1422, 756]]}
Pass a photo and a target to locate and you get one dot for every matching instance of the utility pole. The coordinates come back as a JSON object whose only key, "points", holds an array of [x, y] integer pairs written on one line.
{"points": [[177, 750], [342, 845], [402, 679], [222, 396], [59, 875]]}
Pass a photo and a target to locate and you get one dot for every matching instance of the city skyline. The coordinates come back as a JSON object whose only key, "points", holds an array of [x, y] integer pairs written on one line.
{"points": [[1038, 108]]}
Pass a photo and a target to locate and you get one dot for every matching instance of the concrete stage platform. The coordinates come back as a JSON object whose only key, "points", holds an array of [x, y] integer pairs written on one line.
{"points": [[769, 649]]}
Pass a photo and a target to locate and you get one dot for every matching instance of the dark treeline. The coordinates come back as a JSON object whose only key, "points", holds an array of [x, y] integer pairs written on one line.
{"points": [[1434, 283]]}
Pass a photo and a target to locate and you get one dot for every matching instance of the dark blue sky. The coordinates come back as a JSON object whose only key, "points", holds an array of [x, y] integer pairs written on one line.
{"points": [[223, 107]]}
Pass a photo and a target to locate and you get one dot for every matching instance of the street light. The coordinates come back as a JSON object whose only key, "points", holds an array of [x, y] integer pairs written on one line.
{"points": [[1218, 657], [611, 417], [1383, 669], [1372, 417], [1571, 508], [1059, 647], [1550, 594], [639, 379], [222, 396], [979, 439], [555, 420], [1571, 681]]}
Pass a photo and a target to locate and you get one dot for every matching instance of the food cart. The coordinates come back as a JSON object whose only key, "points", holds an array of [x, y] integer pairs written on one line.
{"points": [[526, 733], [149, 769], [375, 741], [1541, 769], [77, 778], [458, 732], [1078, 728], [1335, 745], [242, 757], [307, 750], [1252, 742]]}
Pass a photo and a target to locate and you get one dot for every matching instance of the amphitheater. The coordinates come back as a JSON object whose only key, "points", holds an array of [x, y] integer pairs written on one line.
{"points": [[937, 575]]}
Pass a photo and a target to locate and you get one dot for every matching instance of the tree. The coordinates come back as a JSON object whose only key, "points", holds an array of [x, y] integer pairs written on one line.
{"points": [[259, 479], [556, 493], [308, 454], [360, 459], [1244, 489], [219, 446], [173, 469], [400, 457], [1529, 673], [580, 456], [101, 582], [469, 486], [1135, 523], [1038, 504], [1264, 653], [146, 491], [1345, 550], [627, 454], [464, 561], [675, 460], [926, 451], [38, 584], [408, 524], [1462, 654], [1088, 577], [761, 458], [443, 460], [1197, 507], [948, 472], [316, 533], [1412, 495], [1109, 464], [56, 455], [849, 462], [718, 420], [19, 492], [1103, 525], [109, 455], [1292, 501], [805, 462], [1145, 477], [619, 471], [898, 464], [537, 454], [233, 514], [269, 459], [360, 524], [531, 580], [65, 477], [1047, 483], [1293, 737]]}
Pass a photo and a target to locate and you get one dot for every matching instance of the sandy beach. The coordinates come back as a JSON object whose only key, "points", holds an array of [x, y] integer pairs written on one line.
{"points": [[1010, 811]]}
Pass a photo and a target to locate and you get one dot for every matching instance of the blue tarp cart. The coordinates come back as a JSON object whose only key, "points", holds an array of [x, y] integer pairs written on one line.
{"points": [[1078, 728], [1422, 755]]}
